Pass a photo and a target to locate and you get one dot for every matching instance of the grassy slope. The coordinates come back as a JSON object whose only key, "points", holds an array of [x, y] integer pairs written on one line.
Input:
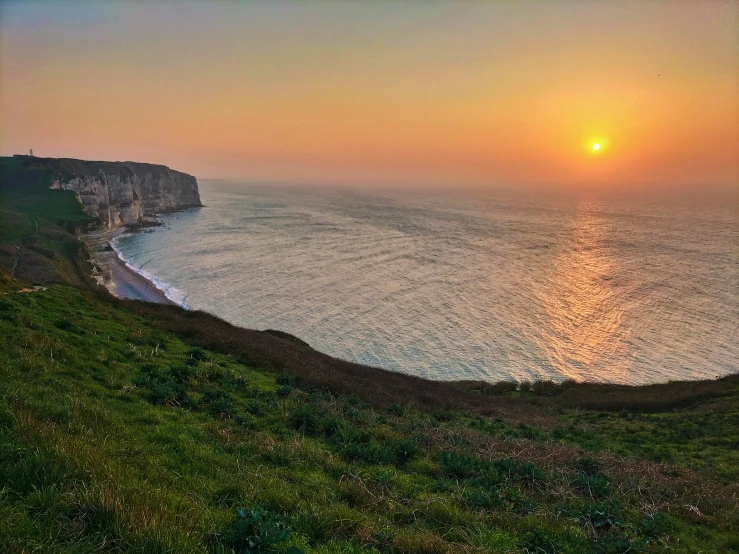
{"points": [[26, 188], [133, 427], [117, 435], [37, 226]]}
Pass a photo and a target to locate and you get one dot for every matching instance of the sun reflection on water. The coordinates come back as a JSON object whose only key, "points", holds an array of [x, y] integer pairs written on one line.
{"points": [[585, 319]]}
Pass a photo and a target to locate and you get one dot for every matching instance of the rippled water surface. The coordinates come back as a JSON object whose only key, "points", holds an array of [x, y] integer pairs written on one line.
{"points": [[454, 287]]}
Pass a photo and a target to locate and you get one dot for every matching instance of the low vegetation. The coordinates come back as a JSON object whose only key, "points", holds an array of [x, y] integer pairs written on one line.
{"points": [[118, 435]]}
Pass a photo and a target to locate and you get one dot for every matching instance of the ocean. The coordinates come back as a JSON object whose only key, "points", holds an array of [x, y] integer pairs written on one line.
{"points": [[463, 286]]}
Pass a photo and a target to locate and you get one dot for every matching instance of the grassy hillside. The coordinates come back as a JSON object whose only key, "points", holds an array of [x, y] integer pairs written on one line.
{"points": [[119, 434], [24, 185], [38, 226]]}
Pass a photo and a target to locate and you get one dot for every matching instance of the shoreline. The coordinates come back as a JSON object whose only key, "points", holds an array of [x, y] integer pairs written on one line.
{"points": [[126, 283], [123, 282]]}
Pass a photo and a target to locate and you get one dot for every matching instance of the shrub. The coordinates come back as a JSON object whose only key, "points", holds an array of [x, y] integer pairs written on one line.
{"points": [[8, 311], [197, 354], [615, 542], [285, 380], [304, 419], [150, 375], [239, 383], [404, 450], [490, 473], [595, 486], [517, 502], [502, 388], [395, 409], [527, 432], [218, 402], [220, 407], [361, 445], [7, 419], [254, 407], [601, 516], [350, 410], [182, 373], [373, 452], [256, 531], [283, 390], [482, 499], [539, 541], [159, 394], [525, 386], [544, 388], [346, 434], [589, 466], [444, 415], [246, 422], [228, 496], [559, 433], [488, 478], [459, 465], [657, 526], [66, 325], [330, 426], [213, 374], [524, 472]]}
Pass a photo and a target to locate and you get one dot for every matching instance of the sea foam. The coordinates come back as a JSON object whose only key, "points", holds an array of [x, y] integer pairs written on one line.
{"points": [[172, 293]]}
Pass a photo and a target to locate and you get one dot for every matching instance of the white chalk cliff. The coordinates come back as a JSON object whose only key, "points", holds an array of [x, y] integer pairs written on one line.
{"points": [[123, 193]]}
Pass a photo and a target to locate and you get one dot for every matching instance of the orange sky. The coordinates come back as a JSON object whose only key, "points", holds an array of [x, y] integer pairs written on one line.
{"points": [[461, 93]]}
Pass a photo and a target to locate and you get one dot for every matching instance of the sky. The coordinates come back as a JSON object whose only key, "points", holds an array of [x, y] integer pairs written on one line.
{"points": [[463, 93]]}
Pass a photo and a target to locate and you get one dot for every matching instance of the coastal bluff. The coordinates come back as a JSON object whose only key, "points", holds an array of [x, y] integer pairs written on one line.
{"points": [[57, 214], [120, 193]]}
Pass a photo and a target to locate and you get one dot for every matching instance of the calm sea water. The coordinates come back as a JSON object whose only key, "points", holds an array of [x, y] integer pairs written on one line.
{"points": [[463, 287]]}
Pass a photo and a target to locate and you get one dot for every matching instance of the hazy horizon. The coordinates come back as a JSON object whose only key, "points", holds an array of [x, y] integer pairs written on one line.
{"points": [[444, 94]]}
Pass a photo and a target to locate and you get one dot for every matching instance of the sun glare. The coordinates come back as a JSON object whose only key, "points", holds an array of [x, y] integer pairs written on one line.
{"points": [[596, 146]]}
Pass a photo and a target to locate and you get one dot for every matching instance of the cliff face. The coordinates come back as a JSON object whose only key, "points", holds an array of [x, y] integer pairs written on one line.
{"points": [[122, 193]]}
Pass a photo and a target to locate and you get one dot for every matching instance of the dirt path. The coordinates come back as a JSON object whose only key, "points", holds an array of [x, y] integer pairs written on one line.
{"points": [[15, 261]]}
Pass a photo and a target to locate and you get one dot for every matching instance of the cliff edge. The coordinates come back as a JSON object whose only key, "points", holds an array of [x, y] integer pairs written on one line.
{"points": [[120, 193]]}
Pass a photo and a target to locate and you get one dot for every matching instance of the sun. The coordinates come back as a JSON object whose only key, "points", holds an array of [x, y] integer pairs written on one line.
{"points": [[596, 146]]}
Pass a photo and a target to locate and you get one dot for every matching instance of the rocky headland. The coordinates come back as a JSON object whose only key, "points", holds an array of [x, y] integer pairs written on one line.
{"points": [[113, 195], [122, 193]]}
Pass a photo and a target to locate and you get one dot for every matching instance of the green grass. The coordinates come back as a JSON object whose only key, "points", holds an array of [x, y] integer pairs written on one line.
{"points": [[696, 439], [25, 189], [14, 225], [118, 436], [41, 223], [703, 438]]}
